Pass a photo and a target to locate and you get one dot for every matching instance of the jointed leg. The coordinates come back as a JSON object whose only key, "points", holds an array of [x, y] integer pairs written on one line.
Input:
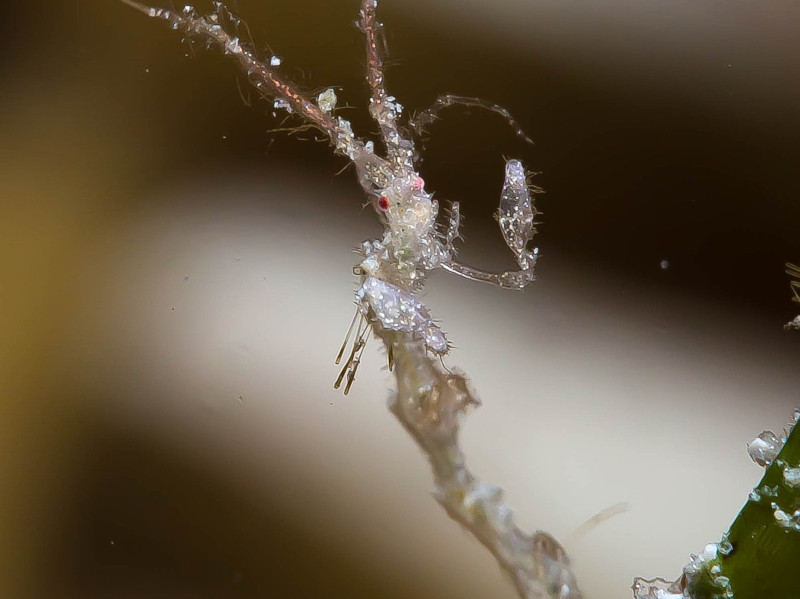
{"points": [[796, 290], [429, 115], [359, 342], [512, 279], [794, 271]]}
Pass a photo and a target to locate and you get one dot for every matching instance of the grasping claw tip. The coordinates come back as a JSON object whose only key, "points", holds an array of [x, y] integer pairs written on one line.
{"points": [[350, 378], [339, 378]]}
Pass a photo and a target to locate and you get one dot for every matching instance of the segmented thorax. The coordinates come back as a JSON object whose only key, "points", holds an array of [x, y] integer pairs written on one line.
{"points": [[410, 217], [394, 267], [409, 247], [396, 310]]}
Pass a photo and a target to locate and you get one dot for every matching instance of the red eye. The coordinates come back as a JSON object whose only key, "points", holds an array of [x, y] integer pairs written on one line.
{"points": [[383, 203], [419, 183]]}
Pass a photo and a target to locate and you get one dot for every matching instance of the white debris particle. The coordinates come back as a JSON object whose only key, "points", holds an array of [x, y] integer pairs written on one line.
{"points": [[725, 546], [327, 100], [275, 61], [280, 103], [764, 448], [785, 520], [768, 491], [791, 477], [232, 46], [657, 588]]}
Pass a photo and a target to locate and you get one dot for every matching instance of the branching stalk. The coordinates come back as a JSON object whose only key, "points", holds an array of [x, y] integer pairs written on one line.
{"points": [[430, 399]]}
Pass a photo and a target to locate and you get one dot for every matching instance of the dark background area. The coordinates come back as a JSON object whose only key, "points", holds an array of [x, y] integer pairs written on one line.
{"points": [[682, 151]]}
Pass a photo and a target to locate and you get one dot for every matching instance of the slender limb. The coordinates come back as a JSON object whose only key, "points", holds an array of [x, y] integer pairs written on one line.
{"points": [[359, 342], [429, 115], [795, 285], [512, 279], [383, 107], [145, 10], [261, 76], [347, 337], [793, 271]]}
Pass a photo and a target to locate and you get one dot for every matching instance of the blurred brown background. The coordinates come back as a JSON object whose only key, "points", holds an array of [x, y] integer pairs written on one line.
{"points": [[176, 281]]}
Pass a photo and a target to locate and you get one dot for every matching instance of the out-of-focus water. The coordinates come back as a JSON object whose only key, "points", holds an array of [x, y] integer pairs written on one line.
{"points": [[177, 284]]}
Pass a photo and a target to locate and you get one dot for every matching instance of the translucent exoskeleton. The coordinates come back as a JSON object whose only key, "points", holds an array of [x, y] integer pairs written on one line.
{"points": [[394, 267]]}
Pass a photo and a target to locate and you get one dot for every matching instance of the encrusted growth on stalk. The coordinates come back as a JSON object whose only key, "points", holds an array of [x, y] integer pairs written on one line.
{"points": [[429, 402], [758, 555]]}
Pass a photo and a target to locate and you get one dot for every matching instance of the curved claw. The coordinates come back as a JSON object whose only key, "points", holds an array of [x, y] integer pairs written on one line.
{"points": [[515, 214]]}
